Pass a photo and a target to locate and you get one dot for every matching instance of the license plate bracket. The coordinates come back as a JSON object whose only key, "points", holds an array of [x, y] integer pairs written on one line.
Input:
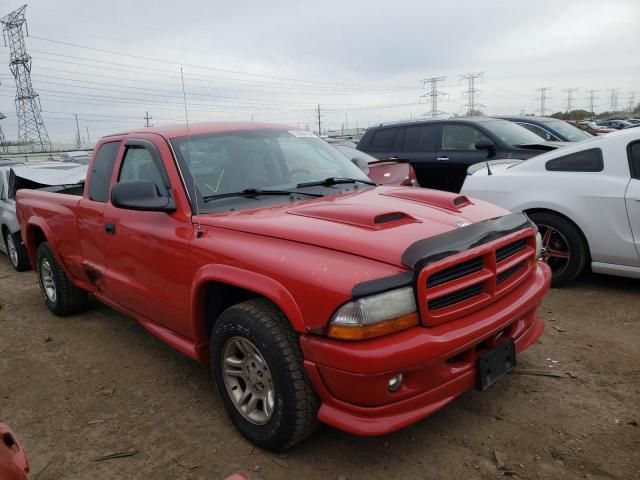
{"points": [[495, 364]]}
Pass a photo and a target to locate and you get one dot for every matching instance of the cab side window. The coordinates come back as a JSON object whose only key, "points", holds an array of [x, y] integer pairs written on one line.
{"points": [[383, 139], [584, 161], [460, 137], [138, 164], [102, 170]]}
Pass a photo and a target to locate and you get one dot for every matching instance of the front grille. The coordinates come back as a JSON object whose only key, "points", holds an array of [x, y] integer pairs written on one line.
{"points": [[480, 278], [509, 273], [511, 249], [456, 297], [455, 272]]}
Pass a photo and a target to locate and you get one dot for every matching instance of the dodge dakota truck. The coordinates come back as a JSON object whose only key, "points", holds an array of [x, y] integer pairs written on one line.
{"points": [[313, 294]]}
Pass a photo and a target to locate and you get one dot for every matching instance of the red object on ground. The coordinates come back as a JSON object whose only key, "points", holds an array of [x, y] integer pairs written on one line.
{"points": [[310, 257], [13, 459]]}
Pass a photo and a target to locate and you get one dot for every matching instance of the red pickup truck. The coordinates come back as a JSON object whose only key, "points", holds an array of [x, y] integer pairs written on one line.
{"points": [[312, 293]]}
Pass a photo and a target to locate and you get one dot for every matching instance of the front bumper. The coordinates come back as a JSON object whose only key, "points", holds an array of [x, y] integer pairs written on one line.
{"points": [[438, 363]]}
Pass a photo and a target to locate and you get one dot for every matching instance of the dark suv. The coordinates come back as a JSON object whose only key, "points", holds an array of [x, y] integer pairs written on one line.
{"points": [[440, 151]]}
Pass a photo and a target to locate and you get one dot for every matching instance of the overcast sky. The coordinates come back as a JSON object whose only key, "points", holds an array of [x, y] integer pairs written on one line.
{"points": [[363, 62]]}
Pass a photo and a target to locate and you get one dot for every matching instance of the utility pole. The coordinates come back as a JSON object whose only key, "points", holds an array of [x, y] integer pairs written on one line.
{"points": [[78, 138], [3, 141], [613, 106], [31, 129], [632, 101], [543, 99], [319, 122], [592, 98], [472, 92], [146, 120], [88, 137], [570, 92], [434, 93]]}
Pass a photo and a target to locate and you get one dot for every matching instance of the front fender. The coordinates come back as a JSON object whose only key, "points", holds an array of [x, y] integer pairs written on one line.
{"points": [[238, 277]]}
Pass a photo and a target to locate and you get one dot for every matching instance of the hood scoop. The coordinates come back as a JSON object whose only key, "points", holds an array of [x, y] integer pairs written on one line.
{"points": [[374, 218], [437, 198]]}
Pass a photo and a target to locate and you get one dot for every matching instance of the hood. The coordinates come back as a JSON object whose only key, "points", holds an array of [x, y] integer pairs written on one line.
{"points": [[378, 223]]}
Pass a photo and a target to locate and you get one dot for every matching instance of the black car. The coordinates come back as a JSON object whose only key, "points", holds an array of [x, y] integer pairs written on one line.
{"points": [[551, 129], [441, 151], [617, 124]]}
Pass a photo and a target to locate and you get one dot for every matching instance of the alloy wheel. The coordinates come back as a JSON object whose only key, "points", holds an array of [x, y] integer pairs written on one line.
{"points": [[555, 249], [48, 284]]}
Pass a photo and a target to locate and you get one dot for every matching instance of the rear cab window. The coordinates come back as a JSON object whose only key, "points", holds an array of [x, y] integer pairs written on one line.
{"points": [[584, 161], [102, 170]]}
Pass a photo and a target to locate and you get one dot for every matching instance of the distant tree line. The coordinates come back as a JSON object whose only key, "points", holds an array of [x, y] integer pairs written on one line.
{"points": [[585, 114]]}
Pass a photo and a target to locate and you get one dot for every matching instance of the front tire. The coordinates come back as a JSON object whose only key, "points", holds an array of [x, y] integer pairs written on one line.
{"points": [[564, 248], [258, 370], [16, 252], [61, 296]]}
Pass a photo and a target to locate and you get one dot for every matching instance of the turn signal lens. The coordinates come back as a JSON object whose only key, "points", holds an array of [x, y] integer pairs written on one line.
{"points": [[363, 332]]}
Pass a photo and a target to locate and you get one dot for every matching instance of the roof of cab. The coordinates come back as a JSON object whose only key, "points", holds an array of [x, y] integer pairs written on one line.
{"points": [[202, 128]]}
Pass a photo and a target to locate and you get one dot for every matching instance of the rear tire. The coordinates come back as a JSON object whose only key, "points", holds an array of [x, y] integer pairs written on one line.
{"points": [[61, 296], [16, 251], [284, 410], [561, 237]]}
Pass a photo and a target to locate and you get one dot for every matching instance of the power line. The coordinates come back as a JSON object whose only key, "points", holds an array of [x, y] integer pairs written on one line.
{"points": [[570, 92], [434, 93], [31, 129], [203, 67], [472, 92], [543, 99], [592, 99]]}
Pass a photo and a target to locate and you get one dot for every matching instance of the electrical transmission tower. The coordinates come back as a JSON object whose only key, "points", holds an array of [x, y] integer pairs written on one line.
{"points": [[592, 99], [613, 106], [570, 92], [472, 92], [543, 99], [632, 101], [31, 129], [434, 93]]}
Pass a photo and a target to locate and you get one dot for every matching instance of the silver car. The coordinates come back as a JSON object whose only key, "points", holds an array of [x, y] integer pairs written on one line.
{"points": [[13, 176]]}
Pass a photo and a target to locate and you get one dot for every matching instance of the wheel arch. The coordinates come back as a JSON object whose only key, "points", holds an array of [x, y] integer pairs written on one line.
{"points": [[217, 287], [551, 211], [36, 233]]}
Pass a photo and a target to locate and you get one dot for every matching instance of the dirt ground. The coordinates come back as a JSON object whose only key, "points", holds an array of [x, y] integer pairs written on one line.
{"points": [[94, 384]]}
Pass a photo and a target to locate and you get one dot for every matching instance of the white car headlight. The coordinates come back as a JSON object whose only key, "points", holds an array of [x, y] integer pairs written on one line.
{"points": [[375, 315]]}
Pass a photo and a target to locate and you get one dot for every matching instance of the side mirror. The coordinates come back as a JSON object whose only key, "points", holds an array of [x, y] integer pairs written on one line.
{"points": [[141, 195], [488, 145], [362, 164]]}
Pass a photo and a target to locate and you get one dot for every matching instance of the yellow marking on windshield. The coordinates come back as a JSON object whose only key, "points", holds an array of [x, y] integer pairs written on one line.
{"points": [[219, 178]]}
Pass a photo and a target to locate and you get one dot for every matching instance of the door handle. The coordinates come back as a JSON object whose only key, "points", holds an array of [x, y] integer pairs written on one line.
{"points": [[442, 159], [109, 229]]}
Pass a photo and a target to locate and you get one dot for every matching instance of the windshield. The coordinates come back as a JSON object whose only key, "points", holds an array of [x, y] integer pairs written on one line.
{"points": [[571, 133], [264, 159], [511, 133]]}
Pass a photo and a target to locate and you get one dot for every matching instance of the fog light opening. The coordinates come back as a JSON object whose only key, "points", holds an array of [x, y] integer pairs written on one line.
{"points": [[395, 383]]}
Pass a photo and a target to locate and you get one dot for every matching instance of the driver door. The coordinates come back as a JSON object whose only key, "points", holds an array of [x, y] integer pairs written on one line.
{"points": [[147, 253], [459, 153]]}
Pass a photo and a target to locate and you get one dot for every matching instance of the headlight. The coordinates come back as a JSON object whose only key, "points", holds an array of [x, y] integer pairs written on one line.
{"points": [[538, 245], [375, 315]]}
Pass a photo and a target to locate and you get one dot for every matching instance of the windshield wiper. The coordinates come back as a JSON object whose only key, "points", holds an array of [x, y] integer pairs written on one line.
{"points": [[327, 182], [253, 192]]}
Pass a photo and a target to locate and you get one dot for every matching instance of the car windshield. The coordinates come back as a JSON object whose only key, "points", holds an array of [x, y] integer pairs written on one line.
{"points": [[511, 133], [567, 130], [259, 159]]}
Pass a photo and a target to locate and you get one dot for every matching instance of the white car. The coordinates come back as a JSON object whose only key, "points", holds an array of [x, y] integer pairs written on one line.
{"points": [[585, 199]]}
